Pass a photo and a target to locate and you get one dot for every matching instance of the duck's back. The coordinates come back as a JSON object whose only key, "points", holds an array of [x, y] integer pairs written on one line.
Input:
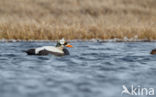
{"points": [[48, 48], [45, 50]]}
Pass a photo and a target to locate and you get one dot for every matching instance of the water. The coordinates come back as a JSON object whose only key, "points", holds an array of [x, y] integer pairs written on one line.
{"points": [[92, 70]]}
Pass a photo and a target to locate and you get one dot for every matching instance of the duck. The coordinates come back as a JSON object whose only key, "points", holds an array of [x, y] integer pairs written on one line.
{"points": [[58, 50], [153, 52]]}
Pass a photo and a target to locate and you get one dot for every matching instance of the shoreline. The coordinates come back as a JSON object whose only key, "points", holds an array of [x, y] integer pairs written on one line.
{"points": [[82, 40]]}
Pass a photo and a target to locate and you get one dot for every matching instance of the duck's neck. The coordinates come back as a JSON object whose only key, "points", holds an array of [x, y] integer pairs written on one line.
{"points": [[59, 46]]}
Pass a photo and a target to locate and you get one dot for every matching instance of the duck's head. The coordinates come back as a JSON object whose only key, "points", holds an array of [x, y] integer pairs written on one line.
{"points": [[63, 43]]}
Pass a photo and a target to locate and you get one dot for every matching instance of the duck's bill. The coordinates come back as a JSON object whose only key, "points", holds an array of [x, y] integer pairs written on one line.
{"points": [[68, 45]]}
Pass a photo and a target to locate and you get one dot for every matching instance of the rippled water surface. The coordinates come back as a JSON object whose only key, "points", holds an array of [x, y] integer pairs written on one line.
{"points": [[92, 70]]}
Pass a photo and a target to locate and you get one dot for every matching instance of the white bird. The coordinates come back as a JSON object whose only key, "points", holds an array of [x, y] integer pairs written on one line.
{"points": [[58, 50]]}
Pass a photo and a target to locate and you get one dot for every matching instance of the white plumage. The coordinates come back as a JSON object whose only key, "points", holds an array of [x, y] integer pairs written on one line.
{"points": [[48, 48]]}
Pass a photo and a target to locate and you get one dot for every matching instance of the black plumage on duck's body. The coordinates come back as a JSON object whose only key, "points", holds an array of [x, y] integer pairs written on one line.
{"points": [[30, 52], [46, 52], [66, 52]]}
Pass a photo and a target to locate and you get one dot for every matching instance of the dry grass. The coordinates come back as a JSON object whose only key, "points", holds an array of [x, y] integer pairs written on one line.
{"points": [[77, 19]]}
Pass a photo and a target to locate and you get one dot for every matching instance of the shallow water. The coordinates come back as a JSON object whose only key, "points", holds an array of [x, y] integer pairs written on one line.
{"points": [[92, 70]]}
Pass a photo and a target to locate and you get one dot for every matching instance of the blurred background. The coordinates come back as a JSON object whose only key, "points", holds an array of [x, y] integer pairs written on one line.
{"points": [[77, 19]]}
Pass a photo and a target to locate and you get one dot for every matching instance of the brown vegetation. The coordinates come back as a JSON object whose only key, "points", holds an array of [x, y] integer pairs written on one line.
{"points": [[77, 19]]}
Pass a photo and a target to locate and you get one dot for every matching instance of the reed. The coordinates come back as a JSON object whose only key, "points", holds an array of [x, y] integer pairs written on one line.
{"points": [[77, 19]]}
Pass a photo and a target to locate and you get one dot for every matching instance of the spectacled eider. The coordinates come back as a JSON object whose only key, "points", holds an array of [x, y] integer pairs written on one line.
{"points": [[153, 52], [58, 50]]}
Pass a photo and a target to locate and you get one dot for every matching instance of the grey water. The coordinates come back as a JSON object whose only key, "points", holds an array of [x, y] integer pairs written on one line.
{"points": [[92, 69]]}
